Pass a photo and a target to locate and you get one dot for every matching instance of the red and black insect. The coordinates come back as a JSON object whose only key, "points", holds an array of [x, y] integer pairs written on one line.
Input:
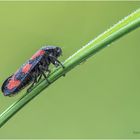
{"points": [[32, 71]]}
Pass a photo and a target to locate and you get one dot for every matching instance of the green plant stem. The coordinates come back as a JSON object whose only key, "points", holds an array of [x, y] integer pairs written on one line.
{"points": [[120, 29]]}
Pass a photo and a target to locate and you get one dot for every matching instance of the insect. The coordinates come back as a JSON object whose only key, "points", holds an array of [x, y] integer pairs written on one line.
{"points": [[32, 71]]}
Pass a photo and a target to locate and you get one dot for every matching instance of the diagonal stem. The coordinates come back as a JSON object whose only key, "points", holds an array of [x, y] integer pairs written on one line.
{"points": [[120, 29]]}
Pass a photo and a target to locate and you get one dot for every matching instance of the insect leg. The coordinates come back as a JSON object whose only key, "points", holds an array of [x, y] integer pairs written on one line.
{"points": [[39, 78], [41, 68], [34, 81], [56, 62]]}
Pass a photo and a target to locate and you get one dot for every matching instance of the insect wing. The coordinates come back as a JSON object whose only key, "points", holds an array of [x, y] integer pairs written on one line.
{"points": [[11, 84], [26, 68], [4, 87]]}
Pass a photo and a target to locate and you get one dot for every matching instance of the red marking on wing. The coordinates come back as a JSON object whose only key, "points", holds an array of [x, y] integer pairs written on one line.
{"points": [[13, 83], [26, 68], [38, 53]]}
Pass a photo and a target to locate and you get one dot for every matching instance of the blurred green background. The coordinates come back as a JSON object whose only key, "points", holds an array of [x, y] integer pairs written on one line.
{"points": [[98, 99]]}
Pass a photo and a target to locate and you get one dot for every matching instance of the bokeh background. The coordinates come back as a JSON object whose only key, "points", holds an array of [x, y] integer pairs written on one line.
{"points": [[98, 99]]}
